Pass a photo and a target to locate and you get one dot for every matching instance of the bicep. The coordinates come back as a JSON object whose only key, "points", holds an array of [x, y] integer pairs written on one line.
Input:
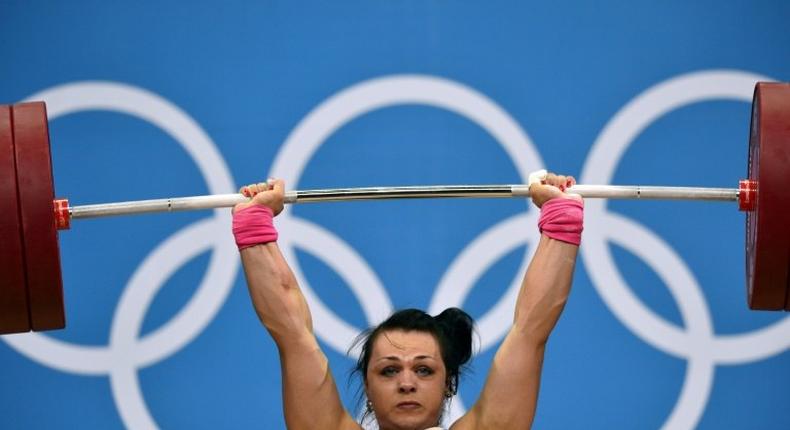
{"points": [[310, 396], [510, 393]]}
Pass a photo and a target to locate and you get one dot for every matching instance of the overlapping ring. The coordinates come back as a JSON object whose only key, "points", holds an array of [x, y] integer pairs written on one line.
{"points": [[126, 353]]}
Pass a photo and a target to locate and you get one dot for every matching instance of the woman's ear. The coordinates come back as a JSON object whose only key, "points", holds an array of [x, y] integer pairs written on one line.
{"points": [[449, 389]]}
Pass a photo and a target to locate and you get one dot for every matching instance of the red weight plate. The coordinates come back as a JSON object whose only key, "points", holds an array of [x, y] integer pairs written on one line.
{"points": [[14, 309], [36, 193], [767, 228]]}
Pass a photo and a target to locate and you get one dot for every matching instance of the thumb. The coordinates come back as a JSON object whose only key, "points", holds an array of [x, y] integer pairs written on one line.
{"points": [[278, 185]]}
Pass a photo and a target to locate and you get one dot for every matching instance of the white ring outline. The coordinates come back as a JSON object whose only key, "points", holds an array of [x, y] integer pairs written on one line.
{"points": [[730, 346], [358, 100], [699, 344], [124, 354], [351, 103]]}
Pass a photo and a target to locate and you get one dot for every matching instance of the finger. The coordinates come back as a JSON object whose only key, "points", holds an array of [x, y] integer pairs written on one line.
{"points": [[537, 177], [278, 185], [553, 190], [544, 193], [561, 182], [555, 180], [244, 191]]}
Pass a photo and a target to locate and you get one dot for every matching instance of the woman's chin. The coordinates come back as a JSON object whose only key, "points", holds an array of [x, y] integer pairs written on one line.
{"points": [[409, 422]]}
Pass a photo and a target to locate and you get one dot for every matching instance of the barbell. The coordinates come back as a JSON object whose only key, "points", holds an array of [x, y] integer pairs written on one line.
{"points": [[31, 293]]}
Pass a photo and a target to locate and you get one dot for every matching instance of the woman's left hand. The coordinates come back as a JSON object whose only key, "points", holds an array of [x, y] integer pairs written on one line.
{"points": [[551, 187]]}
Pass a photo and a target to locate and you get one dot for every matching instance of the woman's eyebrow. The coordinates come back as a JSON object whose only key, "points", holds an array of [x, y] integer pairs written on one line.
{"points": [[395, 358]]}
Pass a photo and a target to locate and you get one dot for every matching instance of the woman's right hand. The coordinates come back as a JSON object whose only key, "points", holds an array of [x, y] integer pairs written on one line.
{"points": [[270, 194]]}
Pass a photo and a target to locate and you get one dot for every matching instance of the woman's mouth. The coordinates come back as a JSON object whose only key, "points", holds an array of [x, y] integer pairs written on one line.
{"points": [[408, 405]]}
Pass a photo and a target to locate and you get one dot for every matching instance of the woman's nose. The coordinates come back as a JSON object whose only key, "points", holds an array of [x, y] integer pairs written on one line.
{"points": [[406, 383], [407, 387]]}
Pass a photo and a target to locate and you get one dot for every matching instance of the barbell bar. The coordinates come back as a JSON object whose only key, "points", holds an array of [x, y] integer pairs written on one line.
{"points": [[65, 213], [31, 293]]}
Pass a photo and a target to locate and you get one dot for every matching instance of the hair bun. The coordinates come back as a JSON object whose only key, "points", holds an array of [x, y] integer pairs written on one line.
{"points": [[459, 327]]}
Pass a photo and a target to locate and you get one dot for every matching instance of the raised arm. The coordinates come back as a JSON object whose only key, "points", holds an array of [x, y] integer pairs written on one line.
{"points": [[310, 397], [510, 394]]}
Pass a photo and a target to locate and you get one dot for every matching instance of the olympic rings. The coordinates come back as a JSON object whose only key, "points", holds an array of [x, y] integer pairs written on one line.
{"points": [[127, 352]]}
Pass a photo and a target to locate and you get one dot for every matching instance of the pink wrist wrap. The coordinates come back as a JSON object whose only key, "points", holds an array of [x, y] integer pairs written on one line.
{"points": [[562, 219], [253, 226]]}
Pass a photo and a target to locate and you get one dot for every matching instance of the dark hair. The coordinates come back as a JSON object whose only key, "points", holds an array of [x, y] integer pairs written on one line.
{"points": [[452, 329]]}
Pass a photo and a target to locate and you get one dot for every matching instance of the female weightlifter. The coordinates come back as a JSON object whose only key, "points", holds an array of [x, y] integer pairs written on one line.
{"points": [[410, 364]]}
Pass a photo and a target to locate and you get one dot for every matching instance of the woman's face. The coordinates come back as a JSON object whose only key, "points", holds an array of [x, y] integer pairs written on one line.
{"points": [[405, 381]]}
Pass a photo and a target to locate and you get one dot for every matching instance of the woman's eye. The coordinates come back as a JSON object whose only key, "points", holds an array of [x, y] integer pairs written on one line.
{"points": [[389, 371], [424, 371]]}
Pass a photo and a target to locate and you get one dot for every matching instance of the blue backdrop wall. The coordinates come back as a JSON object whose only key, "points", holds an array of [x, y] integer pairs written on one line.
{"points": [[160, 99]]}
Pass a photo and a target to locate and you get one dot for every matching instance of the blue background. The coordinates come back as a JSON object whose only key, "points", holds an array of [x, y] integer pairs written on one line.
{"points": [[249, 72]]}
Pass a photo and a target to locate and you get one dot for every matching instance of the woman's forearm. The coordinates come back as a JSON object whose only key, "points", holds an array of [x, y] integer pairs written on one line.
{"points": [[277, 299], [545, 288]]}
